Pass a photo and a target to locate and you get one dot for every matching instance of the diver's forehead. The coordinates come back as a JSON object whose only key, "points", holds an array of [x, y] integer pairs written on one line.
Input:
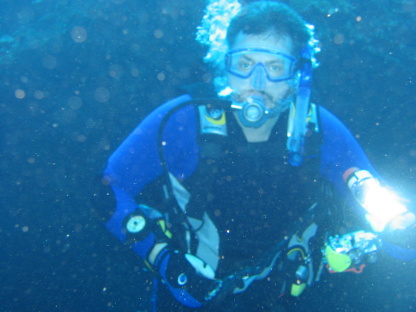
{"points": [[263, 57], [268, 41]]}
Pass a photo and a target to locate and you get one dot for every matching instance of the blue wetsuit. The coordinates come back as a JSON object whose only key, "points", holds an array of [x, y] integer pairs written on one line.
{"points": [[237, 205]]}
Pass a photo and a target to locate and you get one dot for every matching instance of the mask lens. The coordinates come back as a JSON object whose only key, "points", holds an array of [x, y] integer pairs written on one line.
{"points": [[278, 66]]}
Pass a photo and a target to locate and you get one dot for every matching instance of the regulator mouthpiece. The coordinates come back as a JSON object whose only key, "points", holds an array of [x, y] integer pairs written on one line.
{"points": [[253, 113]]}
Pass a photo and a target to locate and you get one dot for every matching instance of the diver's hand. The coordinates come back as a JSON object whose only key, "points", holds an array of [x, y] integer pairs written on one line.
{"points": [[402, 222], [402, 231]]}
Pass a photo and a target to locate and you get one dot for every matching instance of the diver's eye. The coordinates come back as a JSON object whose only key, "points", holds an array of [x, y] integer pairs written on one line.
{"points": [[276, 70], [245, 66]]}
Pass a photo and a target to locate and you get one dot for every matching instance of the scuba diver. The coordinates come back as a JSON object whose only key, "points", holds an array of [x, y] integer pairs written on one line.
{"points": [[225, 192]]}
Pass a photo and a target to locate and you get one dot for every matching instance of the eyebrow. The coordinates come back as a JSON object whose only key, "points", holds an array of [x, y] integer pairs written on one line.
{"points": [[247, 58], [278, 60]]}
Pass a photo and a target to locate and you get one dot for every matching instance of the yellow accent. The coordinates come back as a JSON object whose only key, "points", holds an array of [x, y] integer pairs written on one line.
{"points": [[296, 289], [218, 122], [163, 227], [308, 116], [297, 249], [149, 265], [337, 262]]}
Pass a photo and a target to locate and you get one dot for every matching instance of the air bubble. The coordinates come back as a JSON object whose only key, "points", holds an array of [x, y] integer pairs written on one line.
{"points": [[79, 34]]}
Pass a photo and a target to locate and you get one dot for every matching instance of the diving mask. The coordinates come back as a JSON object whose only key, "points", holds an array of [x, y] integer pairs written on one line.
{"points": [[243, 63]]}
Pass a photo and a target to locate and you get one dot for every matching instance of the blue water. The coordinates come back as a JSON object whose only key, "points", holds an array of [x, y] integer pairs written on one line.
{"points": [[77, 76]]}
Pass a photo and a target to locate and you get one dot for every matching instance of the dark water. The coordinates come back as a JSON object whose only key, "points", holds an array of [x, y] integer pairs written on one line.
{"points": [[77, 76]]}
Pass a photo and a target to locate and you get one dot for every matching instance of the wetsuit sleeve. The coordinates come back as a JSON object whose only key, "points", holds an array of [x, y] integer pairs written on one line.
{"points": [[340, 152], [171, 128], [136, 163]]}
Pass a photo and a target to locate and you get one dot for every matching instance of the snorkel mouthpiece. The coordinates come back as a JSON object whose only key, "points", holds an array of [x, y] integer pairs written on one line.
{"points": [[253, 113]]}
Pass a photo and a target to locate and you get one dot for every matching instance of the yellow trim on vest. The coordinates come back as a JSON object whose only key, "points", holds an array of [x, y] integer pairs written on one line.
{"points": [[297, 249], [162, 225], [218, 122]]}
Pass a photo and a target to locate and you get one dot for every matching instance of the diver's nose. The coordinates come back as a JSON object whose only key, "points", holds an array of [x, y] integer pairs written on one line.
{"points": [[259, 77]]}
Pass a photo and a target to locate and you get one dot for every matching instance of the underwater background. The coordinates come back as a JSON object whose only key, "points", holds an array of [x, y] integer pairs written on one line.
{"points": [[76, 76]]}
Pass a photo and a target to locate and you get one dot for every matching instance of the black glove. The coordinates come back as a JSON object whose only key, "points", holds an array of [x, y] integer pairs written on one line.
{"points": [[223, 289], [189, 286], [235, 283]]}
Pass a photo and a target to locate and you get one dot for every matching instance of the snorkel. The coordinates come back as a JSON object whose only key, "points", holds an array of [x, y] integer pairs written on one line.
{"points": [[297, 124], [298, 115]]}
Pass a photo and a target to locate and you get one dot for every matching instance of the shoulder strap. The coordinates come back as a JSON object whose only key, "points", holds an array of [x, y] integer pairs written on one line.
{"points": [[172, 187]]}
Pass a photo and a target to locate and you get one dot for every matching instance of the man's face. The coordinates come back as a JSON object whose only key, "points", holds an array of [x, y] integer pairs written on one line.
{"points": [[257, 83]]}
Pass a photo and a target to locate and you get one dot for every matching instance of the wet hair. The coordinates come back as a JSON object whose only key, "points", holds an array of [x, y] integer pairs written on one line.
{"points": [[262, 17]]}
